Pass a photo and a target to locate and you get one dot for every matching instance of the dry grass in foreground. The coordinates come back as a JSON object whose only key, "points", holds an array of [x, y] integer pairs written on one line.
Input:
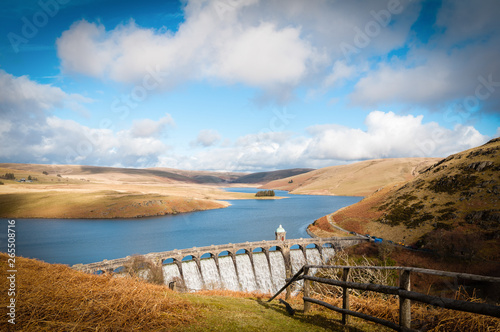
{"points": [[56, 298], [424, 317]]}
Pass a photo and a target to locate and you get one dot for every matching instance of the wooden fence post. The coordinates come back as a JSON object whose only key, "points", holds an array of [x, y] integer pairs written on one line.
{"points": [[345, 296], [404, 304], [307, 291]]}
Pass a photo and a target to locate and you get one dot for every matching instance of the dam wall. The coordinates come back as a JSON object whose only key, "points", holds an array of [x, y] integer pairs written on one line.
{"points": [[251, 266]]}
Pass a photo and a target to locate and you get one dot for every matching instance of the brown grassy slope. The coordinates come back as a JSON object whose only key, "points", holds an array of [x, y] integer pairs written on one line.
{"points": [[425, 283], [56, 298], [96, 173], [71, 192], [452, 206], [358, 179], [100, 204]]}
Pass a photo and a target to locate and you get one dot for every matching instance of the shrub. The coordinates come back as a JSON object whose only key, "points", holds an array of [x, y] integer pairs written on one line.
{"points": [[139, 267], [264, 193], [9, 176]]}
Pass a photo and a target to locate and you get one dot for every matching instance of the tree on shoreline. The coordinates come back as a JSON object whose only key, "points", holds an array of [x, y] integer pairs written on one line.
{"points": [[265, 193]]}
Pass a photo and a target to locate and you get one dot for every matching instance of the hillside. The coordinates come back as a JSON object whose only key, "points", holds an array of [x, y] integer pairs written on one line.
{"points": [[69, 191], [98, 173], [451, 207], [73, 191], [204, 176], [264, 177], [358, 179]]}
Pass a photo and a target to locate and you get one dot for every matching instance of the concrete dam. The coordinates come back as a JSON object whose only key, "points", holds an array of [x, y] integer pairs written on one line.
{"points": [[250, 266]]}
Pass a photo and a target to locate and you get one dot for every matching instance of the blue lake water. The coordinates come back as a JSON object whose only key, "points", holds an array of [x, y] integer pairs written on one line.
{"points": [[72, 241]]}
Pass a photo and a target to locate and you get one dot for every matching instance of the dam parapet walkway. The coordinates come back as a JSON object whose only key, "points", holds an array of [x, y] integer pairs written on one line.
{"points": [[215, 251]]}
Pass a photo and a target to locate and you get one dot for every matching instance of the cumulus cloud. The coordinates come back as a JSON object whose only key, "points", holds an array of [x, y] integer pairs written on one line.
{"points": [[206, 138], [387, 135], [151, 128], [207, 45], [30, 133], [279, 45], [272, 45], [452, 65], [22, 95]]}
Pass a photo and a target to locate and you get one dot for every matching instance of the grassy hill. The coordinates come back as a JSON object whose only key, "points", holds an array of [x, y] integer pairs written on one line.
{"points": [[451, 207], [263, 177], [73, 191], [358, 179]]}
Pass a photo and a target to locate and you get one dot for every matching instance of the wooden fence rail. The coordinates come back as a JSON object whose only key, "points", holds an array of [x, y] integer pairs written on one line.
{"points": [[403, 292]]}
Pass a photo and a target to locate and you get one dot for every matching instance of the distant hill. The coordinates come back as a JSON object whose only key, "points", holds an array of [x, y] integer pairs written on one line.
{"points": [[204, 176], [98, 172], [358, 179], [168, 175], [452, 207], [264, 177]]}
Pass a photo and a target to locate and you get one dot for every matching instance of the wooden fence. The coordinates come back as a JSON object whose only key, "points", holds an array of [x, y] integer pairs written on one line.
{"points": [[403, 292]]}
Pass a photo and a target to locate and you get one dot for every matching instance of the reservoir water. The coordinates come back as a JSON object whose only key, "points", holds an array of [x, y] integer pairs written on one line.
{"points": [[72, 241]]}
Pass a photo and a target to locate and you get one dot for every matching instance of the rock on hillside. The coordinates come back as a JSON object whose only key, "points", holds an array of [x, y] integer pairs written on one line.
{"points": [[452, 206], [358, 179]]}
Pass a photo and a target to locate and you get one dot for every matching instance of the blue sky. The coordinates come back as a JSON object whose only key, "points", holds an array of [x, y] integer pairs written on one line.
{"points": [[245, 85]]}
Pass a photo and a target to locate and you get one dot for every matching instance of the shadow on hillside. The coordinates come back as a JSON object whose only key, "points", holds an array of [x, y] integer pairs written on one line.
{"points": [[311, 318]]}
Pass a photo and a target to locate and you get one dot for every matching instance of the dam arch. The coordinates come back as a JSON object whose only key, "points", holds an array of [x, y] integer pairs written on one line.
{"points": [[261, 265]]}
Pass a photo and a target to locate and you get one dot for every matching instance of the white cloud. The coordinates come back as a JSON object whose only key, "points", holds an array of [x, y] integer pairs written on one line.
{"points": [[262, 56], [387, 136], [20, 94], [151, 128], [29, 133], [272, 45], [341, 71], [279, 45], [206, 138], [50, 139], [205, 46], [447, 69]]}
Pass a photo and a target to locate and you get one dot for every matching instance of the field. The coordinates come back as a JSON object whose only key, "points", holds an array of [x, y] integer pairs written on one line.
{"points": [[97, 192]]}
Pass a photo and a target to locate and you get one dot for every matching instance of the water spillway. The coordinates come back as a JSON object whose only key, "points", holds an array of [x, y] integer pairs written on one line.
{"points": [[192, 276], [263, 273], [210, 274], [249, 272], [246, 274], [228, 274]]}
